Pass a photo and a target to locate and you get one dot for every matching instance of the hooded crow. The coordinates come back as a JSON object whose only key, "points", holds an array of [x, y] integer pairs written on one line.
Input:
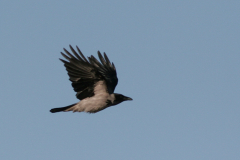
{"points": [[93, 81]]}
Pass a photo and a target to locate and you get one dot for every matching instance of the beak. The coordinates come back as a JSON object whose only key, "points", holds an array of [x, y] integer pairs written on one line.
{"points": [[128, 98]]}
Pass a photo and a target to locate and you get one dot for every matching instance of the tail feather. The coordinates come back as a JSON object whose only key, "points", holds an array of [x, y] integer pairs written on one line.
{"points": [[54, 110]]}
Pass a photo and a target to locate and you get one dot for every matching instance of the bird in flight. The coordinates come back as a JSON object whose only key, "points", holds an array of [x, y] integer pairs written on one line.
{"points": [[93, 81]]}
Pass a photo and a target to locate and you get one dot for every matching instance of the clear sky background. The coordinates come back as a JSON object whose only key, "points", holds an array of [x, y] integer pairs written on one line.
{"points": [[178, 60]]}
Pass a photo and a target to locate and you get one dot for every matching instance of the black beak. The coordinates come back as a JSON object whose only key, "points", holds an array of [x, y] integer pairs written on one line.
{"points": [[127, 99]]}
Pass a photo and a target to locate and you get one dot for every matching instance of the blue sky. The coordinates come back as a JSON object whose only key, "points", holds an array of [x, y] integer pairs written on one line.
{"points": [[178, 60]]}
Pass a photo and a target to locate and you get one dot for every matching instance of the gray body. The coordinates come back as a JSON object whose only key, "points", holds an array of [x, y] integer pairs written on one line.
{"points": [[95, 103]]}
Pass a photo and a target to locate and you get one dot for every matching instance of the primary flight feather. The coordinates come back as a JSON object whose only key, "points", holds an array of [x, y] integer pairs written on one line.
{"points": [[93, 81]]}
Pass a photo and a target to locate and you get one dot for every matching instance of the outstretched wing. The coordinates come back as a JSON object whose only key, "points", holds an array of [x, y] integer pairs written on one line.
{"points": [[81, 73], [106, 69], [84, 74]]}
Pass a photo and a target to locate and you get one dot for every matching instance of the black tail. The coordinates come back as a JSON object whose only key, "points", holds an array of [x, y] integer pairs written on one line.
{"points": [[54, 110]]}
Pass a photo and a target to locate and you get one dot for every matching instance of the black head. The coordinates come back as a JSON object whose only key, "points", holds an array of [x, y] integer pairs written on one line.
{"points": [[120, 98]]}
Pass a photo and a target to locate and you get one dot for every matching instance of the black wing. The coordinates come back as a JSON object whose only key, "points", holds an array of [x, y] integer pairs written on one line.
{"points": [[84, 74], [106, 69]]}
